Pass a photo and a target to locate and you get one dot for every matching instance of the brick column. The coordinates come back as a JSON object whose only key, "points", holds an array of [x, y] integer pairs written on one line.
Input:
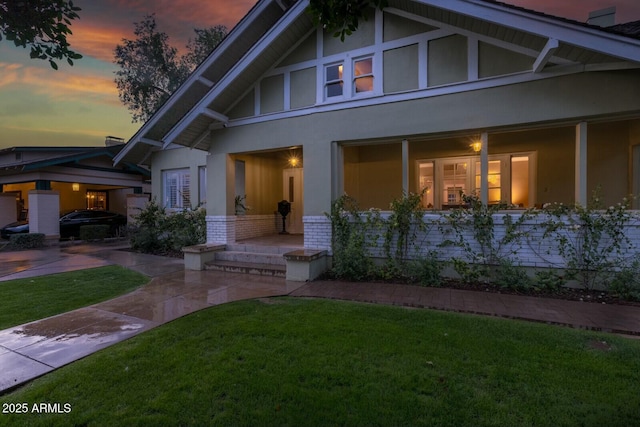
{"points": [[317, 232], [221, 229]]}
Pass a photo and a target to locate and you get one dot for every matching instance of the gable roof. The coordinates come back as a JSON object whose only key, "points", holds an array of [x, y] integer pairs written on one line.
{"points": [[269, 30]]}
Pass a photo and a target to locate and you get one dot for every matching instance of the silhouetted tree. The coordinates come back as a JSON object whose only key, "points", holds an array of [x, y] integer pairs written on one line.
{"points": [[151, 70], [43, 25], [341, 16]]}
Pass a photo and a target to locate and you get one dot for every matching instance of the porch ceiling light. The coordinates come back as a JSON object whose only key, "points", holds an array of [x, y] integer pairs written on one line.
{"points": [[476, 146], [293, 161], [75, 186]]}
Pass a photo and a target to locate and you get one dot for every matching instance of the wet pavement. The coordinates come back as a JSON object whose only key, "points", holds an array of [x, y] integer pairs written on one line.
{"points": [[30, 350]]}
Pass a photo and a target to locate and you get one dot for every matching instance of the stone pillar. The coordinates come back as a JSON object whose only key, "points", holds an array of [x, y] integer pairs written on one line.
{"points": [[135, 203], [44, 213], [8, 212]]}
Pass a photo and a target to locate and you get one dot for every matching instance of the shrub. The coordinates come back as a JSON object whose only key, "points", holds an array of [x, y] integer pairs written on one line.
{"points": [[511, 276], [27, 241], [427, 270], [402, 227], [548, 280], [626, 282], [94, 232], [157, 231], [350, 233], [591, 241]]}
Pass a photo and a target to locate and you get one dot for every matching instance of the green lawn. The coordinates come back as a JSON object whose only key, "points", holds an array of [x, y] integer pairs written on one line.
{"points": [[24, 300], [302, 362]]}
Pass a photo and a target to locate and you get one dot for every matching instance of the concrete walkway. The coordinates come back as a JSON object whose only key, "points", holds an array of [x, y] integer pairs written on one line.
{"points": [[33, 349]]}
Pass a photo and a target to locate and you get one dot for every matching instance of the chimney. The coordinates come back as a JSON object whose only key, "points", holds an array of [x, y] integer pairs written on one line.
{"points": [[603, 17], [110, 141]]}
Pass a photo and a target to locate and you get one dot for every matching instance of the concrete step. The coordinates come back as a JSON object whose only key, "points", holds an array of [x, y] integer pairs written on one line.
{"points": [[262, 249], [250, 257], [259, 269]]}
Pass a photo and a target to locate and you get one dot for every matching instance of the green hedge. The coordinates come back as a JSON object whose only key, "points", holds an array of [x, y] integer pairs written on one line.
{"points": [[27, 241]]}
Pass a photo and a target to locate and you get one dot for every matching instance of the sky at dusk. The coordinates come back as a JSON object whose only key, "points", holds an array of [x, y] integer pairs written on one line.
{"points": [[79, 105]]}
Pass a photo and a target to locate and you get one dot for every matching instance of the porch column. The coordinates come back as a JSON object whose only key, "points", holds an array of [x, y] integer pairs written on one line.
{"points": [[484, 168], [44, 213], [221, 219], [135, 203], [8, 212], [337, 166], [321, 183], [581, 164], [405, 166]]}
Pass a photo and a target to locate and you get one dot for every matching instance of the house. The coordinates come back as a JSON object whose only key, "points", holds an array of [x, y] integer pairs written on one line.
{"points": [[448, 96], [42, 182]]}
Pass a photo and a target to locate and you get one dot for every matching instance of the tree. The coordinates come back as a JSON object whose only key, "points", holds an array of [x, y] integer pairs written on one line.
{"points": [[151, 70], [43, 25], [341, 16], [206, 40]]}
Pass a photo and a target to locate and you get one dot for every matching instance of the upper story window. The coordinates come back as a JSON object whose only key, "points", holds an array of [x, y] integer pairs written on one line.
{"points": [[363, 75], [333, 80]]}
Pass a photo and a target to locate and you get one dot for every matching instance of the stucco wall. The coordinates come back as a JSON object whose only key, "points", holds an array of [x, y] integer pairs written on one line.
{"points": [[543, 102]]}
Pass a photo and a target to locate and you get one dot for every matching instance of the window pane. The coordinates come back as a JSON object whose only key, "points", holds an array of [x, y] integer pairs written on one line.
{"points": [[520, 181], [202, 185], [426, 184], [362, 67], [177, 189], [454, 183], [334, 89], [334, 72], [364, 84]]}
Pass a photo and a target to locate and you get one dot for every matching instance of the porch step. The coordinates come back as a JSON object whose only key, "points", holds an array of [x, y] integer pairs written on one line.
{"points": [[274, 270], [250, 257], [260, 260], [261, 249]]}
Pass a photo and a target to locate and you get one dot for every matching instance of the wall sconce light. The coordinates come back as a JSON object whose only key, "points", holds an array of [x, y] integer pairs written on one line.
{"points": [[293, 161], [476, 146], [75, 186]]}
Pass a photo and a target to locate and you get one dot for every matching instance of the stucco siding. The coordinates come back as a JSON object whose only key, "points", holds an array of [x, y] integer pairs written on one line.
{"points": [[401, 69], [272, 94], [448, 60], [303, 88], [495, 61]]}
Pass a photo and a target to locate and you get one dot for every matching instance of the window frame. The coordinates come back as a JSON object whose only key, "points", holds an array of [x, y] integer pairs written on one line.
{"points": [[505, 175], [183, 180], [338, 81], [355, 78]]}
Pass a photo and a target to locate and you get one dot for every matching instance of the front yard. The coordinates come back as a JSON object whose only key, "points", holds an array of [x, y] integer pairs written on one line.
{"points": [[287, 361], [25, 300]]}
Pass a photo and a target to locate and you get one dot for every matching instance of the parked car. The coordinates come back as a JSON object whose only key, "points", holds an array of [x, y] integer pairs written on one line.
{"points": [[71, 222]]}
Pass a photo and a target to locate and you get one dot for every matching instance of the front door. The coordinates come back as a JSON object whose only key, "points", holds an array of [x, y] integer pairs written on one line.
{"points": [[292, 192]]}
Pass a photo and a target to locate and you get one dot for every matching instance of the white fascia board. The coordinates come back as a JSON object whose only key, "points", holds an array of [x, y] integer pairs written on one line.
{"points": [[577, 35], [215, 115], [150, 142], [237, 69], [545, 55], [233, 35]]}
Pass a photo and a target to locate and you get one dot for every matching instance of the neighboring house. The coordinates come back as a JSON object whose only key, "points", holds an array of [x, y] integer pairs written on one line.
{"points": [[50, 180], [447, 96]]}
